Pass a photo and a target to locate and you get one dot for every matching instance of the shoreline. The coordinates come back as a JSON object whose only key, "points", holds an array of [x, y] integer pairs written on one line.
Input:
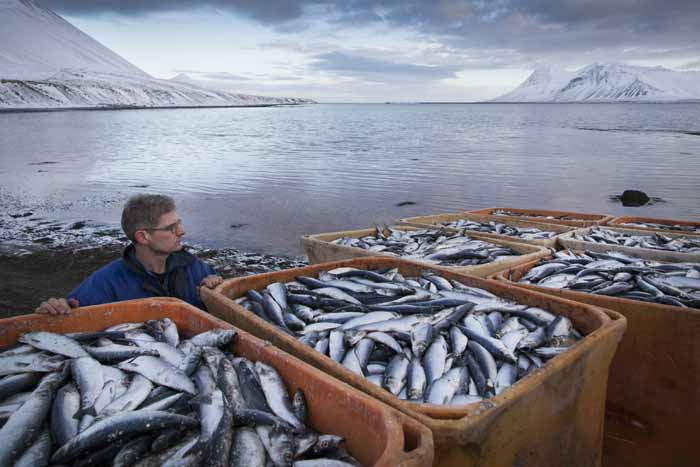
{"points": [[136, 107], [31, 277]]}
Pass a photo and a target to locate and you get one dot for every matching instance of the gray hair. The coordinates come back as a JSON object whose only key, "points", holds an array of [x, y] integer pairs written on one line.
{"points": [[143, 211]]}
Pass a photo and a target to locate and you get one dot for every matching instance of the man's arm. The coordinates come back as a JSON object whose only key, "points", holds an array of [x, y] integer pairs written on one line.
{"points": [[211, 279]]}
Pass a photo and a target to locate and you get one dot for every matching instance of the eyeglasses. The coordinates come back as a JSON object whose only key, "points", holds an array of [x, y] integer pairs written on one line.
{"points": [[172, 228]]}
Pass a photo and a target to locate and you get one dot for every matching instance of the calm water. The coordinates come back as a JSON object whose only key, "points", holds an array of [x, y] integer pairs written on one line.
{"points": [[288, 171]]}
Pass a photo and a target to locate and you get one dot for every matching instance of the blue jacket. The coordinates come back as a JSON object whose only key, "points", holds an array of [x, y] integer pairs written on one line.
{"points": [[127, 279]]}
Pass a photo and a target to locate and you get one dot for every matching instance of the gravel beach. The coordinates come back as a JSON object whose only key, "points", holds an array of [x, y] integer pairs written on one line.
{"points": [[29, 277]]}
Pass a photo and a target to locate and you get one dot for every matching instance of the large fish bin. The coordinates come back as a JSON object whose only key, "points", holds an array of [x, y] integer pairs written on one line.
{"points": [[439, 220], [576, 219], [320, 249], [653, 400], [374, 433], [656, 225], [569, 241], [552, 417]]}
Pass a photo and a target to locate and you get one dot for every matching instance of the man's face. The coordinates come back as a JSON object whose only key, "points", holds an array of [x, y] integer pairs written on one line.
{"points": [[165, 238]]}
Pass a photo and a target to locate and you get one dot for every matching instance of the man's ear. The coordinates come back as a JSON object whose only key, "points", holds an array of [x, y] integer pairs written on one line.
{"points": [[141, 237]]}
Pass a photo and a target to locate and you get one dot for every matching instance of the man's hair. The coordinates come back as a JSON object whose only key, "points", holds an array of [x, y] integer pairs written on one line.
{"points": [[143, 212]]}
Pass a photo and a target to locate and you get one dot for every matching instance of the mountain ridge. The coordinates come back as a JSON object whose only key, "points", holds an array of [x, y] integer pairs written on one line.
{"points": [[607, 82]]}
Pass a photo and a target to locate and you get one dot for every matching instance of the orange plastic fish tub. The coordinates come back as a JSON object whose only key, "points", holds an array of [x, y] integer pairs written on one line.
{"points": [[576, 219], [567, 240], [319, 249], [434, 221], [375, 433], [622, 220], [653, 400], [553, 417]]}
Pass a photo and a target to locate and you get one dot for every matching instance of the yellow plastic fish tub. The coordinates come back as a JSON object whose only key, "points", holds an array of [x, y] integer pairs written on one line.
{"points": [[319, 249], [576, 219], [553, 417], [621, 220], [375, 434], [653, 400], [567, 241], [434, 221]]}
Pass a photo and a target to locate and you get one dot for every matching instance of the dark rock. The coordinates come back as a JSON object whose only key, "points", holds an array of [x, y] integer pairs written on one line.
{"points": [[406, 203], [237, 226], [24, 214], [634, 198], [139, 186], [77, 225]]}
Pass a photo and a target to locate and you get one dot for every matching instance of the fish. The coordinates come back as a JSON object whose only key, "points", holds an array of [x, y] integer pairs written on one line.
{"points": [[159, 372], [120, 425], [64, 420], [620, 275], [26, 423], [654, 241], [42, 362], [55, 343], [138, 410], [438, 246], [665, 226], [215, 338], [276, 394], [422, 327], [494, 227], [247, 449]]}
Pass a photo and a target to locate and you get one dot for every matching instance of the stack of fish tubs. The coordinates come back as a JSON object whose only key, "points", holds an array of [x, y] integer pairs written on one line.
{"points": [[657, 225], [552, 416], [516, 230], [653, 401], [374, 433], [322, 248], [571, 218]]}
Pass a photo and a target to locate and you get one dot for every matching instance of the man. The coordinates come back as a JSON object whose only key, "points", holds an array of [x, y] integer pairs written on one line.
{"points": [[153, 265]]}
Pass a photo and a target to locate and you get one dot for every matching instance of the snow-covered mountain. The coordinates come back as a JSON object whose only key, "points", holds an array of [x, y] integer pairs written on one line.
{"points": [[46, 62], [607, 83]]}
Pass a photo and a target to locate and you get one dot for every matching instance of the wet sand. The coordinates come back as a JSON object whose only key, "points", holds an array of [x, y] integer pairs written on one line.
{"points": [[28, 279]]}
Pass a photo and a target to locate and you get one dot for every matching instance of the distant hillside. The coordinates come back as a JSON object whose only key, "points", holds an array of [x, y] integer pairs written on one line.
{"points": [[607, 83], [46, 62]]}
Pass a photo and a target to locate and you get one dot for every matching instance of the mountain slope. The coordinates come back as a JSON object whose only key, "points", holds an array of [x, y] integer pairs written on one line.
{"points": [[45, 62], [607, 83], [35, 42]]}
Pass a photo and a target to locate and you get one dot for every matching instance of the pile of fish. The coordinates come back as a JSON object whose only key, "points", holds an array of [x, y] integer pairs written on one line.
{"points": [[505, 212], [501, 229], [652, 225], [654, 241], [137, 395], [434, 246], [424, 339], [619, 275]]}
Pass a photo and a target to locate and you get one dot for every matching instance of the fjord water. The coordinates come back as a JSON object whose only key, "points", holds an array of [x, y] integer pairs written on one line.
{"points": [[286, 171]]}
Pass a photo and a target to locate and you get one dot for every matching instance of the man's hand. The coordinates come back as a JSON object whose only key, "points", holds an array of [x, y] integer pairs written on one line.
{"points": [[57, 306], [212, 281]]}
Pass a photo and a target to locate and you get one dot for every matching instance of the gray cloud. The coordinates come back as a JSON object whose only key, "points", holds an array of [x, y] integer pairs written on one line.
{"points": [[379, 70], [527, 31], [264, 10]]}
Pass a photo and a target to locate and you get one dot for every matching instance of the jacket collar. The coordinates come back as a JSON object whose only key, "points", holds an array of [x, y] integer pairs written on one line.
{"points": [[175, 260]]}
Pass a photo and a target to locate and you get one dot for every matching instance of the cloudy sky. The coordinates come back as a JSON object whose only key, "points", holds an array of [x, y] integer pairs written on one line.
{"points": [[394, 50]]}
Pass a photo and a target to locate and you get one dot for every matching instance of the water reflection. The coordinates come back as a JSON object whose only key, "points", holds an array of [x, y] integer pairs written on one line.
{"points": [[289, 171]]}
